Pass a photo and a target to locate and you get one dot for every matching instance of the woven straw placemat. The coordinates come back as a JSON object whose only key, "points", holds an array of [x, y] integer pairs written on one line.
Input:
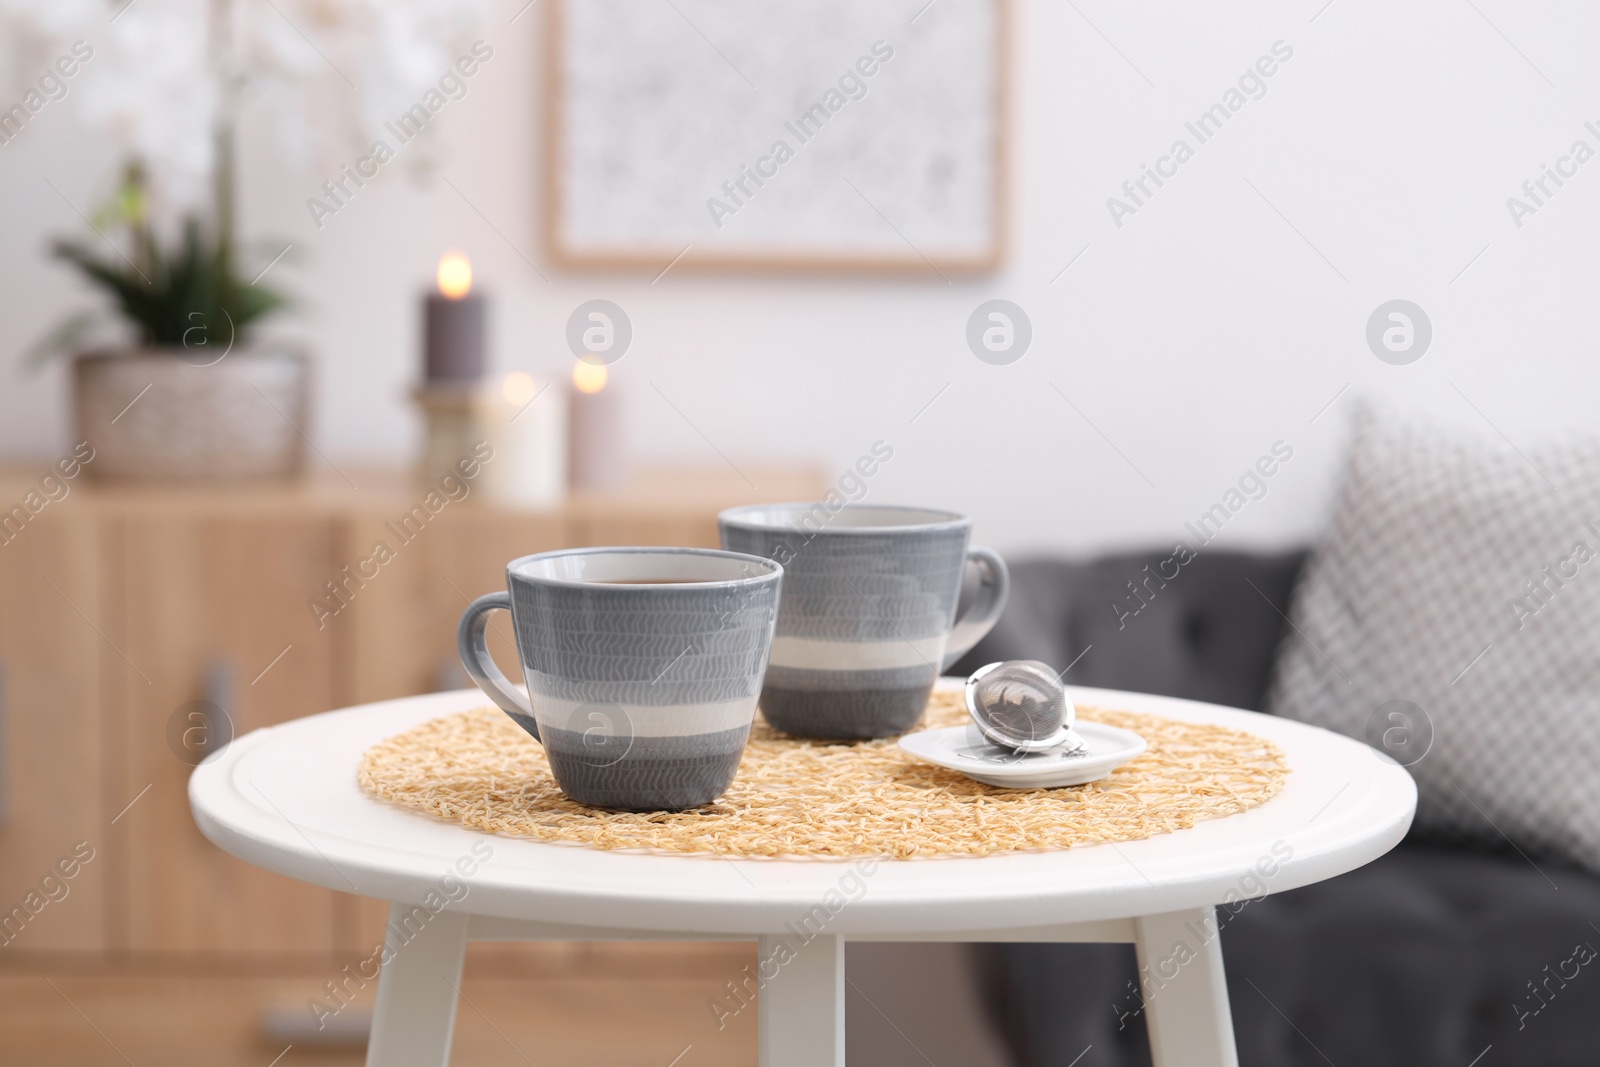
{"points": [[822, 800]]}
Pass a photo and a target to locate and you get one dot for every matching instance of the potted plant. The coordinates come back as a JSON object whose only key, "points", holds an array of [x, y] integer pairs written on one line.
{"points": [[191, 396], [182, 385]]}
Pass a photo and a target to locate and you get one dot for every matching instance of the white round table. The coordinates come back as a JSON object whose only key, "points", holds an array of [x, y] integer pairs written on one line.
{"points": [[286, 799]]}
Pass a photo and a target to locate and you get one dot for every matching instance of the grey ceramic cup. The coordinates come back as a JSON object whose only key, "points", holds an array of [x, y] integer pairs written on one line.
{"points": [[868, 618], [642, 665]]}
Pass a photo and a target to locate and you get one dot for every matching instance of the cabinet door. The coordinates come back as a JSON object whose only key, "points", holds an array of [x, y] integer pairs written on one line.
{"points": [[215, 609], [403, 622], [401, 625], [54, 659]]}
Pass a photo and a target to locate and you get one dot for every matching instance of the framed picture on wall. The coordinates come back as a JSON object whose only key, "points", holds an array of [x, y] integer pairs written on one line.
{"points": [[827, 134]]}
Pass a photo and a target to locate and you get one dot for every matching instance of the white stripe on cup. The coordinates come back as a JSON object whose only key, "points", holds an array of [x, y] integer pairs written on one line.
{"points": [[809, 653], [672, 720]]}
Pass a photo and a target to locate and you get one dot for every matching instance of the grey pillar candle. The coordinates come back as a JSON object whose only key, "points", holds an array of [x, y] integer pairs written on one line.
{"points": [[453, 325]]}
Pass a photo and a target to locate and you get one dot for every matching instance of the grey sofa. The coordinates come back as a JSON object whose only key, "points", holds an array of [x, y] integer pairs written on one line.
{"points": [[1426, 958]]}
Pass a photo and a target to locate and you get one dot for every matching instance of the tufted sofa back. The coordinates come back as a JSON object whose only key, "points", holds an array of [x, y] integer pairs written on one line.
{"points": [[1205, 628]]}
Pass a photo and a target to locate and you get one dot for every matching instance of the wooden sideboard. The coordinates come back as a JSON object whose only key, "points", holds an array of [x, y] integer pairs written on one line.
{"points": [[135, 623]]}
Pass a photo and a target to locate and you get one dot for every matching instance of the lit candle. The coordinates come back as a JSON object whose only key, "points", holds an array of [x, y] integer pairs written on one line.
{"points": [[596, 455], [453, 325], [528, 429]]}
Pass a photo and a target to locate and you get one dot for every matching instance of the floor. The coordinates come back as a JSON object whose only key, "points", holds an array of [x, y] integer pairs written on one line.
{"points": [[587, 1005], [512, 1013]]}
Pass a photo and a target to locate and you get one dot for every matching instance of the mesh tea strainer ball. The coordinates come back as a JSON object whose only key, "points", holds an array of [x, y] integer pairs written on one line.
{"points": [[1020, 704]]}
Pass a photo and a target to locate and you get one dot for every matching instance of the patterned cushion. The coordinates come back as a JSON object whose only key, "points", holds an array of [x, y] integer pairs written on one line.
{"points": [[1452, 618]]}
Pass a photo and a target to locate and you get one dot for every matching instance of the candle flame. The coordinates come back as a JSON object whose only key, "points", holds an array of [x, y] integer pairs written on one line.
{"points": [[455, 275], [519, 388], [589, 377]]}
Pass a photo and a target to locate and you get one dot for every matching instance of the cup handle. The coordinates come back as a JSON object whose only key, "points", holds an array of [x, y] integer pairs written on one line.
{"points": [[474, 649], [984, 611]]}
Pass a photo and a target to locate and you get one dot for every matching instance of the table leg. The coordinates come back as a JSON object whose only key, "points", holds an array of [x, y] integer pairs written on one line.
{"points": [[417, 988], [801, 1015], [1185, 993]]}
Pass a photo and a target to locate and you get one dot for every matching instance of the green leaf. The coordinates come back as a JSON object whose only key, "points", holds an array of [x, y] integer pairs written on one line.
{"points": [[188, 283]]}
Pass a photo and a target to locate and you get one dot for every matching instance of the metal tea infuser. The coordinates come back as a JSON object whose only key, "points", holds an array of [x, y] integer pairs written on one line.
{"points": [[1021, 705]]}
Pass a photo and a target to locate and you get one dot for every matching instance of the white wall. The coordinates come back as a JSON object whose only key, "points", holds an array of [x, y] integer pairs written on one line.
{"points": [[1194, 336]]}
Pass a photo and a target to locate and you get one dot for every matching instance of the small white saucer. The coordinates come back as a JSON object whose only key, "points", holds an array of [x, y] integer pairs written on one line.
{"points": [[963, 748]]}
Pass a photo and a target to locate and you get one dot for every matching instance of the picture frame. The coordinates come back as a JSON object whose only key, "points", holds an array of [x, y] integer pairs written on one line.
{"points": [[657, 138]]}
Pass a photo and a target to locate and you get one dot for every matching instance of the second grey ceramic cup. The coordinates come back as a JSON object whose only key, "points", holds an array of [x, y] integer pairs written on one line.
{"points": [[868, 618], [642, 665]]}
